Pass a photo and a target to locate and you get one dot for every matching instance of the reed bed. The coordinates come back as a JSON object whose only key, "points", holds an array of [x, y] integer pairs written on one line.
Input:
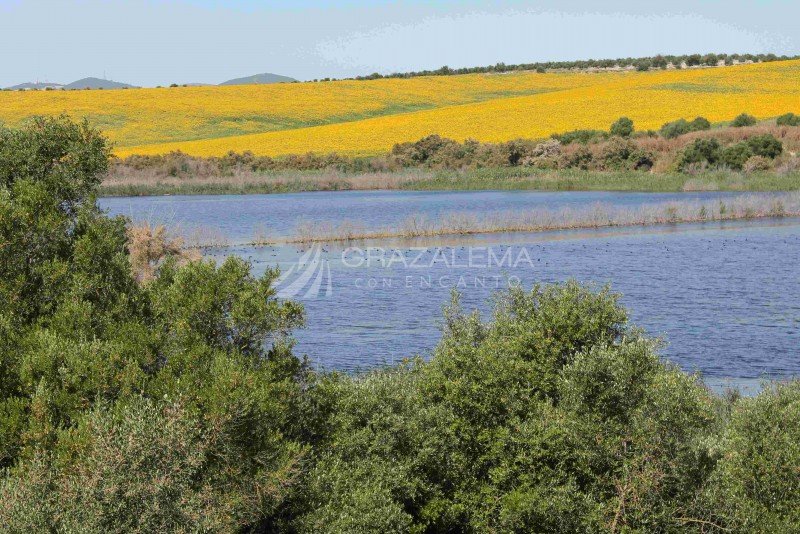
{"points": [[539, 220]]}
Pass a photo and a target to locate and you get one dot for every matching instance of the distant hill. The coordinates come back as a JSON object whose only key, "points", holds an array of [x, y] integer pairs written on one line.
{"points": [[37, 85], [258, 79], [96, 83]]}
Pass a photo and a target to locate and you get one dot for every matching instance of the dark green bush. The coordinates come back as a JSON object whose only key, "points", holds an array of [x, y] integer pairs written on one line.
{"points": [[788, 119], [743, 120], [735, 156], [765, 145], [699, 124], [624, 154], [622, 127], [679, 127], [700, 152], [675, 129], [83, 346], [754, 488]]}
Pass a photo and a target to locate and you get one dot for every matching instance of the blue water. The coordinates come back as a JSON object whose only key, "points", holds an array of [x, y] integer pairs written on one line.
{"points": [[237, 217], [724, 296]]}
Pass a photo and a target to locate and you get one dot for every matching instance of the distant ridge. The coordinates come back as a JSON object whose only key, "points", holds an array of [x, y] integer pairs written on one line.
{"points": [[37, 85], [96, 83], [255, 79]]}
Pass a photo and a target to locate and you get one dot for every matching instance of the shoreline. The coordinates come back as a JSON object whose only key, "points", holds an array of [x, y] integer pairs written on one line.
{"points": [[485, 179]]}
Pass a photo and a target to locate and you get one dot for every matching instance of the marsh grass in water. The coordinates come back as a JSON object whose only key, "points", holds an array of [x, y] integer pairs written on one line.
{"points": [[540, 220]]}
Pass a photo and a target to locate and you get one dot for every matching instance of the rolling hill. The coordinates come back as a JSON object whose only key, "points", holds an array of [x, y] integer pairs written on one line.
{"points": [[96, 83], [256, 79], [369, 117], [36, 85]]}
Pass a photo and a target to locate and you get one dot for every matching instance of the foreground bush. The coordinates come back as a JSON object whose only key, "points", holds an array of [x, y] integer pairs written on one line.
{"points": [[173, 403], [755, 483], [126, 407]]}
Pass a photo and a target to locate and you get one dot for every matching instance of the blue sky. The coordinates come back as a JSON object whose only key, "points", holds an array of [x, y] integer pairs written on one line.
{"points": [[150, 42]]}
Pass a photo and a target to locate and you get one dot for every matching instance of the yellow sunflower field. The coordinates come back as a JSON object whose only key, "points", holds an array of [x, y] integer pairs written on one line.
{"points": [[369, 117]]}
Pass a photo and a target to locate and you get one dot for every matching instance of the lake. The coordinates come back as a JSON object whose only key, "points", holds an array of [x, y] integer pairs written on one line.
{"points": [[724, 296]]}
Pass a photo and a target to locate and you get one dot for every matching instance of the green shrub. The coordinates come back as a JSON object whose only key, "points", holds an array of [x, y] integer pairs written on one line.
{"points": [[83, 343], [735, 156], [624, 154], [755, 485], [674, 129], [700, 124], [765, 145], [700, 152], [143, 466], [788, 119], [679, 127], [622, 127], [580, 136], [580, 159], [743, 120]]}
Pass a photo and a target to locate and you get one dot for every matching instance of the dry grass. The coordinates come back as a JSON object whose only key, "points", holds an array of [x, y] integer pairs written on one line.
{"points": [[149, 246]]}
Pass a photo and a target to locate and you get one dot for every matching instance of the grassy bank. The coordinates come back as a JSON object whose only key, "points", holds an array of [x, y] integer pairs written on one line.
{"points": [[247, 183], [578, 180], [427, 180]]}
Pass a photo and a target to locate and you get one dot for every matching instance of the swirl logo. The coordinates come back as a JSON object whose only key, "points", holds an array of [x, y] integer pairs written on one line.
{"points": [[308, 278]]}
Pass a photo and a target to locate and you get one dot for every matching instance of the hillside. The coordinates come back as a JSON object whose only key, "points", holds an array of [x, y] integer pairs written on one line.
{"points": [[256, 79], [368, 117], [96, 83], [36, 85]]}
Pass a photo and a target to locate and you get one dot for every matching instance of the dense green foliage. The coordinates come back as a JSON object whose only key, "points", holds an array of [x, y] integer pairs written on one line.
{"points": [[701, 151], [743, 120], [177, 405], [765, 146], [709, 152], [622, 127], [788, 119], [125, 407], [680, 127]]}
